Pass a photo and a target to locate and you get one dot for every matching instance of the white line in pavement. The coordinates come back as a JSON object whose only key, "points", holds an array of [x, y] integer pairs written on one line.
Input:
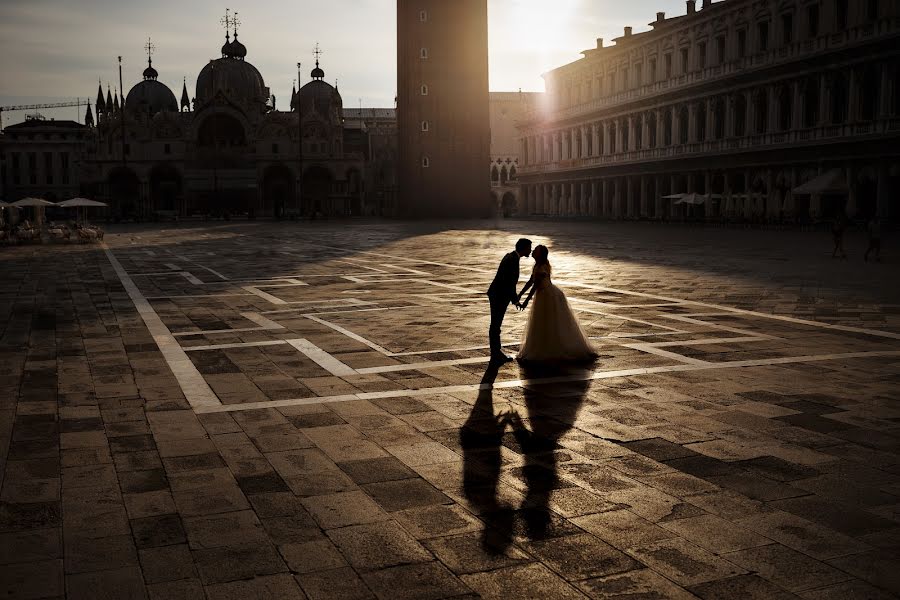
{"points": [[322, 358], [236, 345], [517, 383], [349, 334], [197, 392], [872, 332], [264, 325], [423, 365]]}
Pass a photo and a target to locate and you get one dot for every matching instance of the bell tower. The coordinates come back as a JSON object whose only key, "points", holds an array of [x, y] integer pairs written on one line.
{"points": [[443, 108]]}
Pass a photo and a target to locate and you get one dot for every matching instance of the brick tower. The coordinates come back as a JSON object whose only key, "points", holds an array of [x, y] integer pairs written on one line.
{"points": [[443, 108]]}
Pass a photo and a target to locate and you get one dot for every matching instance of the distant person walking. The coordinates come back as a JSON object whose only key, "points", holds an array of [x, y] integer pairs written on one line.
{"points": [[837, 234], [873, 230]]}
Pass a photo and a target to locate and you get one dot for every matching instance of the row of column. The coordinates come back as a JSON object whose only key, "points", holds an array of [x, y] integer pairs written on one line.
{"points": [[742, 193], [735, 115]]}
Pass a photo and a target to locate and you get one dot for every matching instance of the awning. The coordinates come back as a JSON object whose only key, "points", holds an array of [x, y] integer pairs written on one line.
{"points": [[832, 182], [80, 202], [32, 202], [692, 199]]}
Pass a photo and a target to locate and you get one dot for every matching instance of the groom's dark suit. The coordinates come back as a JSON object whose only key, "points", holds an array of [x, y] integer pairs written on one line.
{"points": [[501, 293]]}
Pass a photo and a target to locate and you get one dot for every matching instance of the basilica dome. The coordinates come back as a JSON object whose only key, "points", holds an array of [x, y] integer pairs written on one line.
{"points": [[151, 96], [319, 95], [233, 76]]}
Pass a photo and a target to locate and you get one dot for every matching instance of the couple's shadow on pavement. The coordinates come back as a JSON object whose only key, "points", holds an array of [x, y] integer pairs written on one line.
{"points": [[552, 408]]}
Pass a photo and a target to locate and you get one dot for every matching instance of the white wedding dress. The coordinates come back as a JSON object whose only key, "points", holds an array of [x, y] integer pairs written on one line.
{"points": [[553, 332]]}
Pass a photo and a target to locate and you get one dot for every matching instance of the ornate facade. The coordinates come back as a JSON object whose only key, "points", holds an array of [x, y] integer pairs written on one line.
{"points": [[507, 110], [740, 101], [229, 151]]}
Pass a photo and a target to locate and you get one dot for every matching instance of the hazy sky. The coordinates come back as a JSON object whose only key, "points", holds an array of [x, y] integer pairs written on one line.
{"points": [[57, 49]]}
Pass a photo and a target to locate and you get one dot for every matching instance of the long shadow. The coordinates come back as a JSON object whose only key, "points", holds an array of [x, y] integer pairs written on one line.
{"points": [[551, 411]]}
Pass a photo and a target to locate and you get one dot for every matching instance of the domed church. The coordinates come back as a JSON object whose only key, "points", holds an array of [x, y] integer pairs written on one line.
{"points": [[228, 151]]}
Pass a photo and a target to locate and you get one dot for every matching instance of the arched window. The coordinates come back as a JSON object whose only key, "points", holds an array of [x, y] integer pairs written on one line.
{"points": [[718, 119], [639, 133], [423, 53], [785, 108], [701, 122], [504, 176], [426, 162], [513, 174], [425, 126], [495, 175], [667, 127], [869, 89], [612, 138], [838, 99], [651, 123], [626, 146], [811, 98], [683, 125], [424, 90], [761, 111], [740, 115]]}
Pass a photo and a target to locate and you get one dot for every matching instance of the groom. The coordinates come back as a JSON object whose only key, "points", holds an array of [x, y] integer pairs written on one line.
{"points": [[503, 292]]}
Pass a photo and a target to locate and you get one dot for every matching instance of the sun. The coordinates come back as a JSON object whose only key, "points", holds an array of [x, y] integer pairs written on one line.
{"points": [[528, 37]]}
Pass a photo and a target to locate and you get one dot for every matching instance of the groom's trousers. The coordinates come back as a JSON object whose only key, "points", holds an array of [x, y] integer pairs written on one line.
{"points": [[498, 311]]}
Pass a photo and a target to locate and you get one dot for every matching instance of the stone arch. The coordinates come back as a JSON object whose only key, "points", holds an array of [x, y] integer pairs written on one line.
{"points": [[124, 189], [495, 175], [740, 115], [316, 189], [222, 141], [508, 204], [868, 88], [701, 122], [278, 194], [165, 187], [760, 111], [839, 99], [668, 126], [811, 97], [718, 131], [785, 108], [504, 175], [683, 125]]}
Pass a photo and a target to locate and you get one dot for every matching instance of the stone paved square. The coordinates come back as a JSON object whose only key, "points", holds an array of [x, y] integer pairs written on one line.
{"points": [[309, 410]]}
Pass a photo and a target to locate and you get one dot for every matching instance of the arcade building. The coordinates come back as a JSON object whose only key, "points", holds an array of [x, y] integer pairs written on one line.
{"points": [[758, 110]]}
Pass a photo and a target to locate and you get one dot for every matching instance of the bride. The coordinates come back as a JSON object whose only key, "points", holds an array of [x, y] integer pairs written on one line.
{"points": [[553, 332]]}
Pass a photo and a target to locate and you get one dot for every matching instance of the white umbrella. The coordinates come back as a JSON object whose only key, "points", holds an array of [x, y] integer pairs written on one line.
{"points": [[832, 182], [33, 202], [80, 202], [674, 197], [4, 204], [692, 199]]}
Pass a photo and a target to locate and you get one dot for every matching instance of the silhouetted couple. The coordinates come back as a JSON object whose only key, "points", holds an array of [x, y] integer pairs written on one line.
{"points": [[553, 332]]}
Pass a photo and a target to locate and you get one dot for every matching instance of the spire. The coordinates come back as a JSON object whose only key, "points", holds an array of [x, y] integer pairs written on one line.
{"points": [[150, 72], [89, 116], [116, 101], [101, 104], [185, 100], [294, 97], [109, 102], [317, 73]]}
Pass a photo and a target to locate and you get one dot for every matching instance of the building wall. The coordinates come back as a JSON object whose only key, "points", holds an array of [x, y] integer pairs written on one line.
{"points": [[741, 99], [43, 159], [508, 109], [443, 108]]}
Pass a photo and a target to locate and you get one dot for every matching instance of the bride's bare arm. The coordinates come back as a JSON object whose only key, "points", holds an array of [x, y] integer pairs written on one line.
{"points": [[526, 288]]}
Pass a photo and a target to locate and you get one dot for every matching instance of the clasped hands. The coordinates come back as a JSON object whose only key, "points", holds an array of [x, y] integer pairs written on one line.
{"points": [[519, 305]]}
